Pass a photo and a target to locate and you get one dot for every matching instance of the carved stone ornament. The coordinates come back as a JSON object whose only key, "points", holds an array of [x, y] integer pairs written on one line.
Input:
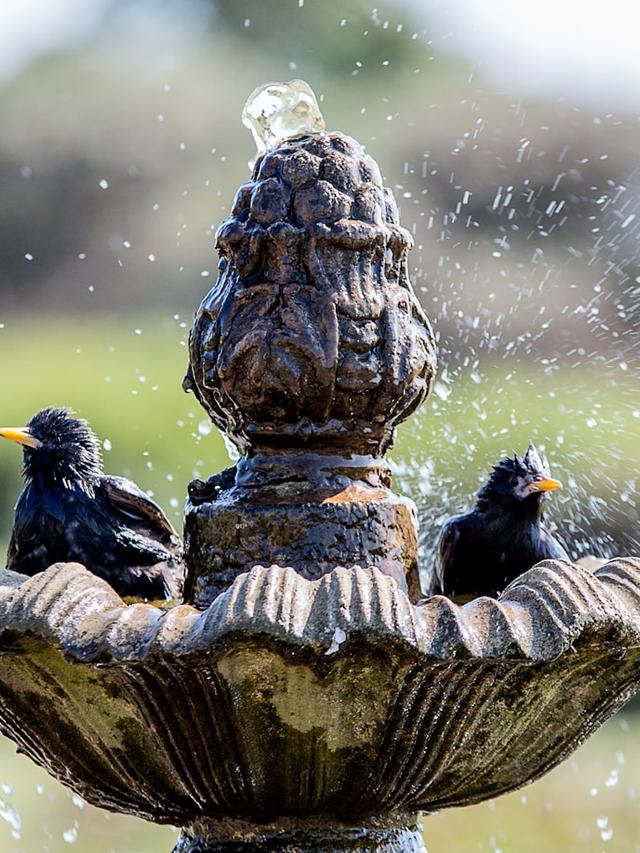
{"points": [[294, 714], [308, 351], [312, 337]]}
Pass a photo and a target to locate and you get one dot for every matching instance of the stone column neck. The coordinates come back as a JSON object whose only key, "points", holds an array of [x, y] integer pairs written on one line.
{"points": [[319, 469], [391, 834]]}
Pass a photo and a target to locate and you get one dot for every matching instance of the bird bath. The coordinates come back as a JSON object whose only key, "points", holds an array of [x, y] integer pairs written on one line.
{"points": [[301, 699]]}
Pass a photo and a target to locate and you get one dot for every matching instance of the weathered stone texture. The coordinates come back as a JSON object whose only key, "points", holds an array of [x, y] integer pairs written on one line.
{"points": [[292, 698], [312, 336], [306, 511]]}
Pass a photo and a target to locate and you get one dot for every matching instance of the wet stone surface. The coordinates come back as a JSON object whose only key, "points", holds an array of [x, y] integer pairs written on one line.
{"points": [[308, 512], [312, 336], [308, 352], [289, 698], [401, 835]]}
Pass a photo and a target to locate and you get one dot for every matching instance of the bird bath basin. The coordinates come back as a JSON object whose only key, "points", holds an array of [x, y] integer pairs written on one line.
{"points": [[320, 709], [302, 699]]}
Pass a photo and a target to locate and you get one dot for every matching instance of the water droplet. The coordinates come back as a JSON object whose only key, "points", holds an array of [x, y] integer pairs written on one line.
{"points": [[441, 390], [232, 451], [11, 815], [612, 780], [278, 111], [70, 835]]}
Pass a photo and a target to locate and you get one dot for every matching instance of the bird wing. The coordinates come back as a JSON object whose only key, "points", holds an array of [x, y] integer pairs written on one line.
{"points": [[445, 549], [28, 551], [137, 510], [21, 546]]}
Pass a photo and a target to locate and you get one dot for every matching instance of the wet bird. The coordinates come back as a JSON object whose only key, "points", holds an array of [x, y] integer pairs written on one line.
{"points": [[70, 510], [504, 535]]}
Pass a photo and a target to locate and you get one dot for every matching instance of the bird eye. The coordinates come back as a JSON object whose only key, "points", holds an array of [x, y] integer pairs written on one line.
{"points": [[514, 480]]}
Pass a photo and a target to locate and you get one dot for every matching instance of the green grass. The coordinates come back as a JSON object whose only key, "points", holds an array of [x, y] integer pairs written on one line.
{"points": [[586, 418]]}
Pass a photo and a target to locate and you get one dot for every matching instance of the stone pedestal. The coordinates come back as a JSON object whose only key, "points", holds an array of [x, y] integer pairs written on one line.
{"points": [[395, 834], [310, 511], [308, 352]]}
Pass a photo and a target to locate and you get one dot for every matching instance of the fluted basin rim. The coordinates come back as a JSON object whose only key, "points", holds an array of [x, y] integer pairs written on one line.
{"points": [[540, 616]]}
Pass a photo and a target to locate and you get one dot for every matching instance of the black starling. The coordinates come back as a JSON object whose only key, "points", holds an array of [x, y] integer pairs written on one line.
{"points": [[70, 510], [504, 535]]}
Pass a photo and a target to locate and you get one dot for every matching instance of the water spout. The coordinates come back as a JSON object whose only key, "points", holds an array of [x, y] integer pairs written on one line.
{"points": [[278, 111]]}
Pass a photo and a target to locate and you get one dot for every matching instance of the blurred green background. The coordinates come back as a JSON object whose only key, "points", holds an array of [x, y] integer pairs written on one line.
{"points": [[120, 150]]}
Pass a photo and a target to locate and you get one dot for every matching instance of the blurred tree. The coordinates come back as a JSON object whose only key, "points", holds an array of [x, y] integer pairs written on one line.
{"points": [[335, 37]]}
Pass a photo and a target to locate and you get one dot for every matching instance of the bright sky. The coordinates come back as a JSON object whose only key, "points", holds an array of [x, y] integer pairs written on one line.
{"points": [[31, 27], [588, 50]]}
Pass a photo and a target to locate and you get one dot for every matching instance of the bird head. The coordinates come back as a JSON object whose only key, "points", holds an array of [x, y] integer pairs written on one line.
{"points": [[58, 448], [520, 482]]}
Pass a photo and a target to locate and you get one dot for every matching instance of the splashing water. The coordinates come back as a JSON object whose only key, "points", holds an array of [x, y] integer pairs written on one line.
{"points": [[278, 111], [12, 817], [535, 296]]}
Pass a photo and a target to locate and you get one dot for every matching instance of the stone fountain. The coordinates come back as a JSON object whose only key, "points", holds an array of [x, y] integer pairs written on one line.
{"points": [[301, 699]]}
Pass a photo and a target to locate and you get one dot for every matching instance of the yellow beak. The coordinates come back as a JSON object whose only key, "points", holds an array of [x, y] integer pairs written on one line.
{"points": [[547, 485], [21, 435]]}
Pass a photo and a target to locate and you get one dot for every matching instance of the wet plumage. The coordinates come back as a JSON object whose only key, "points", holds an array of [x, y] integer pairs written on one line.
{"points": [[70, 510], [504, 535]]}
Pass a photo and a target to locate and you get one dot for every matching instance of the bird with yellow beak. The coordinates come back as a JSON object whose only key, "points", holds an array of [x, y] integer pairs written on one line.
{"points": [[71, 511], [504, 535]]}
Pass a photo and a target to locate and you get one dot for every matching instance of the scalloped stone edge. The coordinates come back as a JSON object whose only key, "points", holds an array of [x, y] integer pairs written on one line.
{"points": [[538, 617]]}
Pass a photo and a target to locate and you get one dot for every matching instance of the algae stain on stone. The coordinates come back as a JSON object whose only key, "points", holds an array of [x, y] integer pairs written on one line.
{"points": [[347, 706], [65, 690]]}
